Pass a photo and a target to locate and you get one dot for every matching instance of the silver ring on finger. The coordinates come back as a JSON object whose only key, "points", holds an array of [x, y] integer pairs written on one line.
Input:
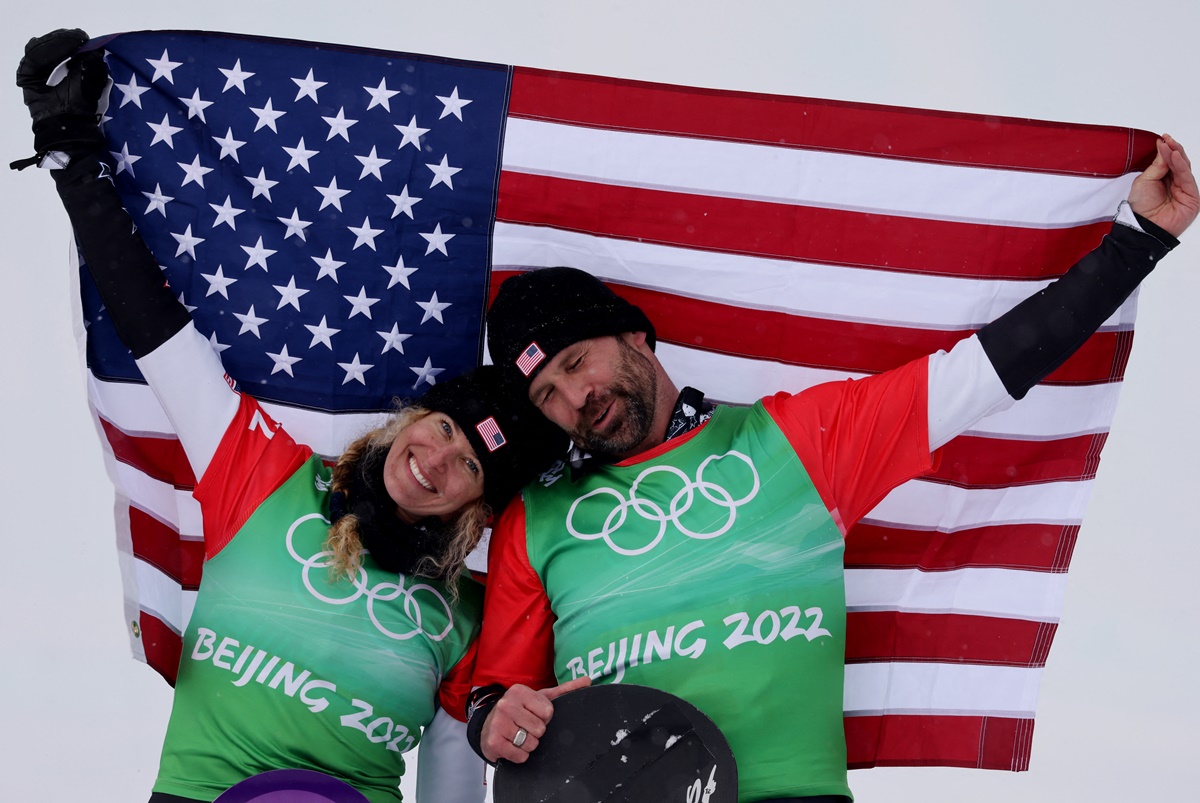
{"points": [[520, 738]]}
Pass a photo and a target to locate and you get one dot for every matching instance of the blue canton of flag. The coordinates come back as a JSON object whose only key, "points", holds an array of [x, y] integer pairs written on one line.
{"points": [[324, 214]]}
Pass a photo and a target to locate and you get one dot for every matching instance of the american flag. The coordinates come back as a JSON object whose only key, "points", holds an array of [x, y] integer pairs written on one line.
{"points": [[530, 358], [337, 218], [489, 430]]}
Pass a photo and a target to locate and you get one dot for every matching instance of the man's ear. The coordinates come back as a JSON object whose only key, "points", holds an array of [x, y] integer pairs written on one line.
{"points": [[635, 339]]}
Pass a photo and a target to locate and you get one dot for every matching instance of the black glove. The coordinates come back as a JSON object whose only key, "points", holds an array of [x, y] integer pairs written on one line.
{"points": [[64, 115]]}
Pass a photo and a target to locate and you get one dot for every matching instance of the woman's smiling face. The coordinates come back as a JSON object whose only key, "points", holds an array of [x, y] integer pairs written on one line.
{"points": [[431, 469]]}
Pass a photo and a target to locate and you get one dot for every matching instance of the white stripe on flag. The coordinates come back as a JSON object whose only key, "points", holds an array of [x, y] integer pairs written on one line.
{"points": [[163, 597], [921, 503], [933, 688], [799, 288], [811, 178], [1049, 411], [176, 508], [1011, 593]]}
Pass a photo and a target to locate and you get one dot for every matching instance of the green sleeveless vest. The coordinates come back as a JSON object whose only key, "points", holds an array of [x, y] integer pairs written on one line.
{"points": [[714, 572], [282, 668]]}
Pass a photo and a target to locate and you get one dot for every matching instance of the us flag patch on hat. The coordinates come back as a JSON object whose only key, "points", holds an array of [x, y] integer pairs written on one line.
{"points": [[530, 358], [489, 430]]}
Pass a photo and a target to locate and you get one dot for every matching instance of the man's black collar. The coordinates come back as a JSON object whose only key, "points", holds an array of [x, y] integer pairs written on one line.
{"points": [[691, 410]]}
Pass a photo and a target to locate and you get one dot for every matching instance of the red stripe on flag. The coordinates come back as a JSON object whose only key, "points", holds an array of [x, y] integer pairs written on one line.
{"points": [[160, 458], [790, 231], [1045, 547], [873, 636], [915, 134], [159, 544], [990, 743], [838, 345], [162, 645], [978, 462]]}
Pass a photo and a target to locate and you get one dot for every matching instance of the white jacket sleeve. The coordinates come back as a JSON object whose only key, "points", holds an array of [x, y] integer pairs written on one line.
{"points": [[187, 377], [448, 771]]}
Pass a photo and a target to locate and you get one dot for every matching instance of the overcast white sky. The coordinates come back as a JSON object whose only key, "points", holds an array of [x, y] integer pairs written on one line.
{"points": [[82, 721]]}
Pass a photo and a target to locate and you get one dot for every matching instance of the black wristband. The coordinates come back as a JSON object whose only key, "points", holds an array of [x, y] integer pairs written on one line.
{"points": [[67, 132], [1157, 232], [480, 703], [1035, 337]]}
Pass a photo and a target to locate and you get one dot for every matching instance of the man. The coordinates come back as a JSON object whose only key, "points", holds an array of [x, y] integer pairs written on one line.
{"points": [[700, 549]]}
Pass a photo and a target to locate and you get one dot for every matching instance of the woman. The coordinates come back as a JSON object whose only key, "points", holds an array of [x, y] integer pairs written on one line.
{"points": [[332, 620]]}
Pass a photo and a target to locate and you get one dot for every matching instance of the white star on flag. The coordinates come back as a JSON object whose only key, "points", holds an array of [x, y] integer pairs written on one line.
{"points": [[442, 173], [437, 240], [267, 115], [229, 145], [399, 273], [164, 131], [393, 339], [226, 213], [404, 203], [300, 156], [217, 345], [360, 303], [158, 201], [289, 295], [339, 126], [218, 283], [235, 77], [196, 106], [452, 104], [380, 95], [321, 334], [433, 308], [327, 264], [308, 87], [250, 322], [331, 195], [194, 172], [295, 225], [365, 235], [412, 134], [163, 68], [187, 243], [125, 160], [426, 373], [355, 370], [371, 164], [258, 255], [262, 185], [131, 92], [283, 361]]}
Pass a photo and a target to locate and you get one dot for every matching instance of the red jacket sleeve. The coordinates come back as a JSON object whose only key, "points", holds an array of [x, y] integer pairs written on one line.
{"points": [[516, 644], [859, 439], [254, 458]]}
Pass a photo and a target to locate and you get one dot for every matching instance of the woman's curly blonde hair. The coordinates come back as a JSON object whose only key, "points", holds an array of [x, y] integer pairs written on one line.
{"points": [[344, 540]]}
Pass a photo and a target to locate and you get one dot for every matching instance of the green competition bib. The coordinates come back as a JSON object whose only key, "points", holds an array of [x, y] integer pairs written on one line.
{"points": [[713, 572]]}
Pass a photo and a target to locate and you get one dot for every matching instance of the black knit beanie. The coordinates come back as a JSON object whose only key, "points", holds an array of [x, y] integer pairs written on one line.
{"points": [[540, 313], [514, 442]]}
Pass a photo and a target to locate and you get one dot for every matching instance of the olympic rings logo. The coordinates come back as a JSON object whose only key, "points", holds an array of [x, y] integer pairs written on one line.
{"points": [[649, 510], [381, 592]]}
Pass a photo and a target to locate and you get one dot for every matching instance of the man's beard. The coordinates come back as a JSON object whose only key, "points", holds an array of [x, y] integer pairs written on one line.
{"points": [[637, 386]]}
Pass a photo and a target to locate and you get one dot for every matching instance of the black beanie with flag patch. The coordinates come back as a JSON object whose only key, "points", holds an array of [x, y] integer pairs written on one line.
{"points": [[540, 313], [512, 439]]}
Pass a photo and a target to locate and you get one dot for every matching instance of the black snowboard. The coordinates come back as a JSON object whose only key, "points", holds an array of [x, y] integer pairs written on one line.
{"points": [[618, 743]]}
